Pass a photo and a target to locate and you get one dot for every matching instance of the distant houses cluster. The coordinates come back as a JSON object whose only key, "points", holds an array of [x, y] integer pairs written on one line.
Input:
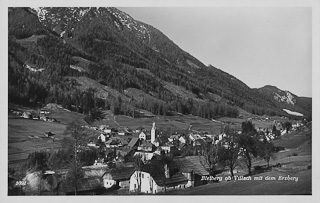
{"points": [[157, 177], [41, 115], [121, 146], [148, 144]]}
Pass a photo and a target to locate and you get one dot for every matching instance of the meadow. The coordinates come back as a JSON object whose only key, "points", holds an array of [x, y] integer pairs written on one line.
{"points": [[26, 136]]}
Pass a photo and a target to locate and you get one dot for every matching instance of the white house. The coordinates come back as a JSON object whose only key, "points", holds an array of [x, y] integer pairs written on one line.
{"points": [[182, 140], [142, 136], [106, 130], [222, 135], [167, 148], [119, 177], [145, 156], [194, 137], [152, 180], [102, 127], [102, 137]]}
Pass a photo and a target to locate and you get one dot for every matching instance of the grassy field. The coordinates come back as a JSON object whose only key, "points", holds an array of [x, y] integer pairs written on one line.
{"points": [[236, 122], [170, 123], [20, 144]]}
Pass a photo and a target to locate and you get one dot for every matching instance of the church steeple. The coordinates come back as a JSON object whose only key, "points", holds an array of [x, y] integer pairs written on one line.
{"points": [[153, 132]]}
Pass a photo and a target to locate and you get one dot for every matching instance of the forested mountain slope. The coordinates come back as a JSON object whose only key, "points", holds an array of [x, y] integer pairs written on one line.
{"points": [[52, 51]]}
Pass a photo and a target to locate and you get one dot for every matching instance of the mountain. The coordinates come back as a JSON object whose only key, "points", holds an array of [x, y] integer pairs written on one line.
{"points": [[101, 58], [287, 100]]}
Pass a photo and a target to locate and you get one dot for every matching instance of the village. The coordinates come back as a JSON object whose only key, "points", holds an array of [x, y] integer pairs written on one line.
{"points": [[116, 170]]}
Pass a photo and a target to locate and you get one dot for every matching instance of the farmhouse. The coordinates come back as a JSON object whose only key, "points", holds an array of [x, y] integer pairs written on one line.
{"points": [[112, 143], [159, 141], [86, 186], [26, 115], [118, 177], [124, 151], [182, 140], [142, 136], [102, 137], [48, 134], [146, 146], [167, 148], [194, 137], [193, 168], [43, 111], [155, 178]]}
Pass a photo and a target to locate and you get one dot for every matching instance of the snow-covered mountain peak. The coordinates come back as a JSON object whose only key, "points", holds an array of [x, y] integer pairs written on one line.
{"points": [[60, 19]]}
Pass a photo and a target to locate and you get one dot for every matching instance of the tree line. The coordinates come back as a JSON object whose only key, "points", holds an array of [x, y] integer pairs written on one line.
{"points": [[237, 150]]}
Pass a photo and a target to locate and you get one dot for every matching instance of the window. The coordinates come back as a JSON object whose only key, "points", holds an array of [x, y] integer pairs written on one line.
{"points": [[134, 186], [142, 175]]}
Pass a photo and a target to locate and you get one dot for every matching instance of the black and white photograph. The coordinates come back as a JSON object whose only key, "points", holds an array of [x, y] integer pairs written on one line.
{"points": [[161, 100]]}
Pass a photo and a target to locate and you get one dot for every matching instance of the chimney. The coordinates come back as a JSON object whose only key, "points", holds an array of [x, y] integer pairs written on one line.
{"points": [[166, 171]]}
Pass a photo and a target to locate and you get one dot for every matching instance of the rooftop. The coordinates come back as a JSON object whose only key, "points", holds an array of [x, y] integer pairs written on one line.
{"points": [[176, 177], [191, 163]]}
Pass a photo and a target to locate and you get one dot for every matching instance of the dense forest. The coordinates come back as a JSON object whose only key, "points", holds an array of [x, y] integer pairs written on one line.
{"points": [[40, 70]]}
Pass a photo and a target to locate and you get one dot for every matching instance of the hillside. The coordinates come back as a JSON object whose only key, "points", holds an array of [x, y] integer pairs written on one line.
{"points": [[287, 100], [87, 58]]}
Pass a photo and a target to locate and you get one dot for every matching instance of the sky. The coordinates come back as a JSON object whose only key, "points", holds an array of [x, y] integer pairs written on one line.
{"points": [[258, 45]]}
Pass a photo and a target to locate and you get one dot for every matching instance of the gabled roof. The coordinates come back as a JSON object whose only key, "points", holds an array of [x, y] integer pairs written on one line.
{"points": [[162, 140], [145, 144], [181, 145], [121, 174], [175, 136], [111, 142], [191, 163], [142, 134], [200, 142], [85, 184], [134, 141], [123, 141], [157, 173], [89, 172], [206, 139], [125, 149]]}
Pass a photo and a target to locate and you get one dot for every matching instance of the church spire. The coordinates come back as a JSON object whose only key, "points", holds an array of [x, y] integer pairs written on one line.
{"points": [[153, 132]]}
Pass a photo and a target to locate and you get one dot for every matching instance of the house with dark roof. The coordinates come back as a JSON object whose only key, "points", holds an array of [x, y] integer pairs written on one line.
{"points": [[160, 141], [167, 148], [48, 134], [124, 151], [113, 143], [85, 186], [157, 177], [193, 168], [119, 177], [146, 146], [199, 142], [174, 137], [208, 140], [145, 156]]}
